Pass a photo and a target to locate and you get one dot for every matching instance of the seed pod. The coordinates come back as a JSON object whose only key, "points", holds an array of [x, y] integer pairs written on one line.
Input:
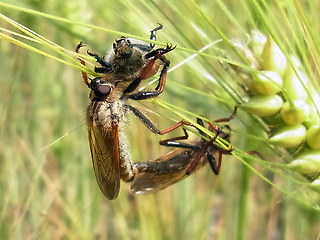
{"points": [[263, 105], [306, 163], [295, 113], [313, 117], [292, 83], [288, 136], [267, 82], [313, 137], [273, 58], [258, 41]]}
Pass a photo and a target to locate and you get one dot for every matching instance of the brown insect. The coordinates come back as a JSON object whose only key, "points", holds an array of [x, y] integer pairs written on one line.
{"points": [[121, 73], [181, 162]]}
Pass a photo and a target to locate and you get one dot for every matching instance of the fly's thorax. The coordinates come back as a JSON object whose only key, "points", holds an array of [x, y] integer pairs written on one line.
{"points": [[105, 113]]}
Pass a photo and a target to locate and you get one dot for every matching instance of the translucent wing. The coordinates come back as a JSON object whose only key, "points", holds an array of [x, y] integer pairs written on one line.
{"points": [[165, 171], [104, 147]]}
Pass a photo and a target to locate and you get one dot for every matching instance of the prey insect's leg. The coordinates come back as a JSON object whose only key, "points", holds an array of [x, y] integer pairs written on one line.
{"points": [[228, 119], [214, 164], [204, 149], [84, 74]]}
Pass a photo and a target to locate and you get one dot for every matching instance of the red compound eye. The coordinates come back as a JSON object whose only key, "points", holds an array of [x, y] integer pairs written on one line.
{"points": [[103, 90]]}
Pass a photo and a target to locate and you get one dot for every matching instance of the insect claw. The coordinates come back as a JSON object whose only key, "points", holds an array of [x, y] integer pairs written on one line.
{"points": [[80, 45]]}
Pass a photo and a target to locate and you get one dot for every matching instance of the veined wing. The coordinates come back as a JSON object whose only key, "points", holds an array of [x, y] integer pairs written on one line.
{"points": [[104, 147], [165, 171]]}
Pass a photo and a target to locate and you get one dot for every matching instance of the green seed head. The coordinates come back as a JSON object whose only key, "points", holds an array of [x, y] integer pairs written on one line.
{"points": [[263, 105], [306, 163], [313, 117], [294, 113], [258, 41], [267, 82], [313, 137], [288, 136], [293, 84], [273, 58]]}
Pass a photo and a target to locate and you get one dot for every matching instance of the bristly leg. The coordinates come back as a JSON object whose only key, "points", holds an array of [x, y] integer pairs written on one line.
{"points": [[84, 74], [106, 66], [159, 89], [160, 51], [153, 37], [158, 54], [228, 119]]}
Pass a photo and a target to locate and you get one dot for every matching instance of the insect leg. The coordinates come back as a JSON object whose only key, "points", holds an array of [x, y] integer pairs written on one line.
{"points": [[159, 89], [157, 54], [172, 142], [228, 119], [84, 74], [160, 51], [150, 125], [207, 147], [106, 66], [153, 35], [213, 163]]}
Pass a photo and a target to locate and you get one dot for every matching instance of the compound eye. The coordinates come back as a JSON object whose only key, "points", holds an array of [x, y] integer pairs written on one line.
{"points": [[103, 90]]}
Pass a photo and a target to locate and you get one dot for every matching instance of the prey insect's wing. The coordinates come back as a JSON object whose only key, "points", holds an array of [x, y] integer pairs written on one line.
{"points": [[165, 171], [104, 147]]}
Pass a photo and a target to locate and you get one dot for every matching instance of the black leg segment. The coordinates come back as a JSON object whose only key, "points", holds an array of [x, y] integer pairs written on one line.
{"points": [[106, 66], [159, 89], [143, 119]]}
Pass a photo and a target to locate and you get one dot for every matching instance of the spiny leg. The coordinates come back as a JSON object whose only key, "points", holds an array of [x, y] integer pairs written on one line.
{"points": [[159, 89], [106, 66], [160, 51], [162, 79], [206, 148], [150, 125], [84, 74], [228, 119], [153, 35]]}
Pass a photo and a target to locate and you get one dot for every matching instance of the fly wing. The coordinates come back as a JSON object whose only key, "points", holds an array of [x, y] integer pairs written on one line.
{"points": [[104, 147], [165, 171]]}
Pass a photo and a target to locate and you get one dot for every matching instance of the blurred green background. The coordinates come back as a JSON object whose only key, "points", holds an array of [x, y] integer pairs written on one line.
{"points": [[52, 193]]}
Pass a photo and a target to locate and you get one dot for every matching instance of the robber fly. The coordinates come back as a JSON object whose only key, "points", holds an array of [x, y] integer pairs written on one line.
{"points": [[183, 161], [121, 73]]}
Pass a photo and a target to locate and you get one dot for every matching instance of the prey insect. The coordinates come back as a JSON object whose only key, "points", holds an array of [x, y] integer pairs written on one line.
{"points": [[121, 72], [181, 162]]}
